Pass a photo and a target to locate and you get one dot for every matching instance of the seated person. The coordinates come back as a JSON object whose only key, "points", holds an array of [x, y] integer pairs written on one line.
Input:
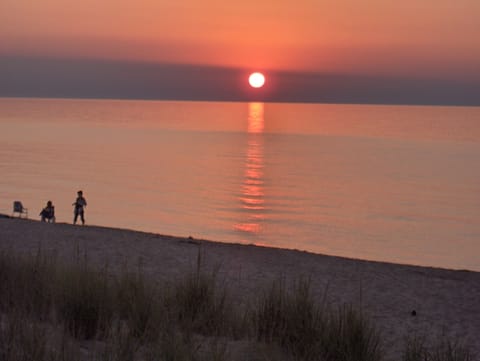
{"points": [[48, 213]]}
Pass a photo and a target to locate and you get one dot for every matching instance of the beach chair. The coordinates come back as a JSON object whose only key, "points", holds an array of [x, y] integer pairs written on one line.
{"points": [[20, 209]]}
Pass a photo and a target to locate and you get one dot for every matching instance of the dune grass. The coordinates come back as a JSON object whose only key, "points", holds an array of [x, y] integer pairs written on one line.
{"points": [[308, 330], [51, 311], [201, 304], [417, 349]]}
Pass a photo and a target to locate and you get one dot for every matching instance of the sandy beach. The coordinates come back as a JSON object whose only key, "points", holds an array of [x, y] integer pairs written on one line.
{"points": [[446, 301]]}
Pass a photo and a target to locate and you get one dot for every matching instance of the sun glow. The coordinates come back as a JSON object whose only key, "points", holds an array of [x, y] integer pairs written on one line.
{"points": [[256, 80]]}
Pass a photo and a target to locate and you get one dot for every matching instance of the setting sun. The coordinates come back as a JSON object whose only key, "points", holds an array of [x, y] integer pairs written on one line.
{"points": [[256, 80]]}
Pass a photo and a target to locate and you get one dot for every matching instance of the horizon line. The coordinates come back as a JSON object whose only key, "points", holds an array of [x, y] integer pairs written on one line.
{"points": [[236, 101]]}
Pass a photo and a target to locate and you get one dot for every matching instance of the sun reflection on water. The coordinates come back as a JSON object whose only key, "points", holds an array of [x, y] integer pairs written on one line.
{"points": [[255, 118], [252, 198]]}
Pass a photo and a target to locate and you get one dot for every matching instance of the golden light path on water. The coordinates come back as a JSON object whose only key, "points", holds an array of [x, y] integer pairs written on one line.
{"points": [[252, 201]]}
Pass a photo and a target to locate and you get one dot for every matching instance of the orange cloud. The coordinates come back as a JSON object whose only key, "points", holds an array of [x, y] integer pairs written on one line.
{"points": [[407, 37]]}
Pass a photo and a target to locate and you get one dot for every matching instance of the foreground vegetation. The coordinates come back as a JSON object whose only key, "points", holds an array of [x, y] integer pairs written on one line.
{"points": [[50, 311]]}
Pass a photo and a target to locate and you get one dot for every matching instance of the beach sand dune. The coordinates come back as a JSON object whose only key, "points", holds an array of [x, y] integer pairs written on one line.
{"points": [[446, 302]]}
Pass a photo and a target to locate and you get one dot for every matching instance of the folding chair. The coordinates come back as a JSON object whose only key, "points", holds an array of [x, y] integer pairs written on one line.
{"points": [[20, 209]]}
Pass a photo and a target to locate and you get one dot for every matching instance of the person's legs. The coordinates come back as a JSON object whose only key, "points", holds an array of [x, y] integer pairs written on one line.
{"points": [[83, 218], [75, 217]]}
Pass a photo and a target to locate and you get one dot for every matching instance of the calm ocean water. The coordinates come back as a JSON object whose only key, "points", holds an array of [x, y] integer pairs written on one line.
{"points": [[389, 183]]}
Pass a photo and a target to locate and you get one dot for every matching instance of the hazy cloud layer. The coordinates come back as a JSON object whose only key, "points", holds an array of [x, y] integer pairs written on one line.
{"points": [[50, 77]]}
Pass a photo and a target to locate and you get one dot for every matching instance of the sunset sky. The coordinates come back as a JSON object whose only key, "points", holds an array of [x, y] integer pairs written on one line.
{"points": [[428, 42]]}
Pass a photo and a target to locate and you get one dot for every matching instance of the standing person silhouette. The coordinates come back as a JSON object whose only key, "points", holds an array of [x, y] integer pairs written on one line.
{"points": [[80, 203]]}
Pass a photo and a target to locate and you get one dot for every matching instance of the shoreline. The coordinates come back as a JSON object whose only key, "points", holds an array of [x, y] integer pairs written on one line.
{"points": [[445, 301], [194, 240]]}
